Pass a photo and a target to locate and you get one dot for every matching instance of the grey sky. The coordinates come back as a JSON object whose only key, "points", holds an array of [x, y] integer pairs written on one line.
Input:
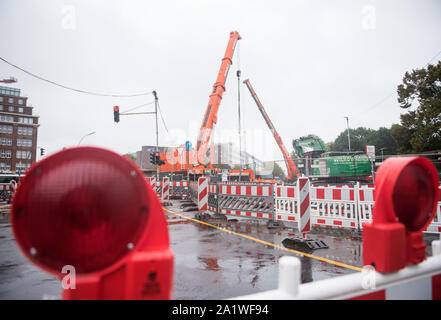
{"points": [[310, 62]]}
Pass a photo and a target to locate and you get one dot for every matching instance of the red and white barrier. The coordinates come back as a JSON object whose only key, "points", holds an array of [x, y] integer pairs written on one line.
{"points": [[7, 190], [165, 189], [246, 190], [304, 223], [286, 203], [334, 206], [247, 214], [202, 194]]}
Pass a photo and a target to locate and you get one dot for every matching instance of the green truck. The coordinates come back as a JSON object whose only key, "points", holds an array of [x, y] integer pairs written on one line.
{"points": [[313, 160]]}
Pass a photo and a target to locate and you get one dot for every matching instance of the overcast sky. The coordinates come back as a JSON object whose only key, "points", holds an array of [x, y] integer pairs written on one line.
{"points": [[310, 62]]}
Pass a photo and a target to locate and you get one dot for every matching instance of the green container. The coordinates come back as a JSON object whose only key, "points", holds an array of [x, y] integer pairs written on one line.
{"points": [[342, 166]]}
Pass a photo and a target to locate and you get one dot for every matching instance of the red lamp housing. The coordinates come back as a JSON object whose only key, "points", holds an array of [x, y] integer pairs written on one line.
{"points": [[405, 204], [92, 209]]}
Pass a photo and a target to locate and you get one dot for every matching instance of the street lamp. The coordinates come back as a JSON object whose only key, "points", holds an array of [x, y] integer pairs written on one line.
{"points": [[349, 137], [89, 134]]}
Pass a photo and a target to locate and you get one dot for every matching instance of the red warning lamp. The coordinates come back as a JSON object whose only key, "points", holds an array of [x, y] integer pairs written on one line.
{"points": [[405, 204], [92, 209]]}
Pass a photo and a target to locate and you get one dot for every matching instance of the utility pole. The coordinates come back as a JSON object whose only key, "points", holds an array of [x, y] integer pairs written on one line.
{"points": [[240, 132], [349, 137], [157, 138]]}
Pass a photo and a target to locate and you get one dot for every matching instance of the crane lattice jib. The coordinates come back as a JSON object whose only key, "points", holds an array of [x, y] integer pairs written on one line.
{"points": [[210, 117], [293, 172]]}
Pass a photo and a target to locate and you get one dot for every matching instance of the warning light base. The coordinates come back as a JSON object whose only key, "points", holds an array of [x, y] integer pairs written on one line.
{"points": [[304, 245], [384, 246]]}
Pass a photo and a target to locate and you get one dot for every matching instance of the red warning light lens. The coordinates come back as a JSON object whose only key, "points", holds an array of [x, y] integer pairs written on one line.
{"points": [[115, 108], [414, 196], [85, 207]]}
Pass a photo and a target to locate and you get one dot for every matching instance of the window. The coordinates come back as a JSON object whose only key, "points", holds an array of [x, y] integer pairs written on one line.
{"points": [[23, 154], [4, 166], [25, 120], [11, 109], [6, 118], [6, 141], [20, 110], [6, 129], [24, 143], [10, 91], [1, 107], [20, 101], [24, 131], [1, 99], [5, 154], [10, 100]]}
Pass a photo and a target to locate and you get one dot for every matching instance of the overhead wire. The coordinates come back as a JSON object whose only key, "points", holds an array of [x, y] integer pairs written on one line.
{"points": [[139, 106], [162, 118], [74, 89], [392, 93]]}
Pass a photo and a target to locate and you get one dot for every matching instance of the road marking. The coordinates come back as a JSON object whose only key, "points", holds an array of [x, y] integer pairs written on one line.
{"points": [[340, 264]]}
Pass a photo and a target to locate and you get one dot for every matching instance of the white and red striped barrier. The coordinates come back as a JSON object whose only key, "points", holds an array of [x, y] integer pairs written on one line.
{"points": [[7, 190], [243, 199], [246, 190], [165, 189], [304, 223], [246, 214], [334, 206], [203, 193]]}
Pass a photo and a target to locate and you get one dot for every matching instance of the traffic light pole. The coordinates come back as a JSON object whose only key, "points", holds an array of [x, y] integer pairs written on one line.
{"points": [[157, 139], [116, 119]]}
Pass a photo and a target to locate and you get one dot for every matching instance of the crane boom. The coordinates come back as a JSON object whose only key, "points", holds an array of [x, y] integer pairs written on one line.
{"points": [[210, 117], [293, 172]]}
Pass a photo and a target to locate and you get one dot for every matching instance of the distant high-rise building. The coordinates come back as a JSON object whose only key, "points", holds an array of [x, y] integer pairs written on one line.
{"points": [[228, 154], [18, 131]]}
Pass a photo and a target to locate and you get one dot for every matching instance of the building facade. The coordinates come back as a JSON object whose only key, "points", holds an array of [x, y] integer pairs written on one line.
{"points": [[18, 131]]}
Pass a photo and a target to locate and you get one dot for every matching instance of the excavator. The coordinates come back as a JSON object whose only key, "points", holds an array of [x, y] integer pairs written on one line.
{"points": [[293, 172], [199, 161]]}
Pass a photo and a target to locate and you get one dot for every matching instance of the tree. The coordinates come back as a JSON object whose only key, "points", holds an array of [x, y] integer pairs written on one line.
{"points": [[130, 156], [360, 137], [277, 171], [402, 137], [421, 89]]}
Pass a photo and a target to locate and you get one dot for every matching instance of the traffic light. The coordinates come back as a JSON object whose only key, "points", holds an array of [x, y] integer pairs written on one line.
{"points": [[158, 160], [41, 151], [152, 158], [116, 113]]}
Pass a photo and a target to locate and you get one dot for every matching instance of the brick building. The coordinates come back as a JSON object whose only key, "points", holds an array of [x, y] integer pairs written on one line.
{"points": [[18, 131]]}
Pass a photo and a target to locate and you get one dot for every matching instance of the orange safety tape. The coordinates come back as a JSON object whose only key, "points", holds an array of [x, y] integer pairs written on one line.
{"points": [[340, 264]]}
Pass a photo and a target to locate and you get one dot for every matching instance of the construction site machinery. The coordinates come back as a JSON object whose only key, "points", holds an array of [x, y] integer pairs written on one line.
{"points": [[293, 172], [314, 161]]}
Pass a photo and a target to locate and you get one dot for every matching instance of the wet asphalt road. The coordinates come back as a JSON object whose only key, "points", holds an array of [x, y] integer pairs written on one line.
{"points": [[209, 263]]}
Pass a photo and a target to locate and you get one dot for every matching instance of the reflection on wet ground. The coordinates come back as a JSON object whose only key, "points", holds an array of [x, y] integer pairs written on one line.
{"points": [[213, 264], [209, 263]]}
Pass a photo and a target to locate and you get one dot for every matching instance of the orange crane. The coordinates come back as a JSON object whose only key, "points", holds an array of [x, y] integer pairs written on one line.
{"points": [[210, 117], [293, 172], [198, 158]]}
